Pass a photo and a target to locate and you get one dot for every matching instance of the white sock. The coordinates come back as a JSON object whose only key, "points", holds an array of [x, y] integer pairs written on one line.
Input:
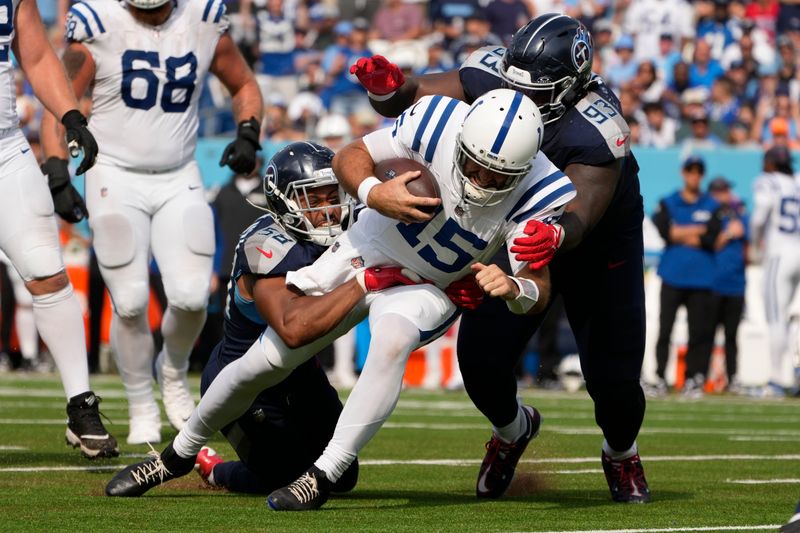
{"points": [[180, 329], [375, 395], [59, 319], [27, 335], [620, 456], [132, 344], [511, 432], [227, 398]]}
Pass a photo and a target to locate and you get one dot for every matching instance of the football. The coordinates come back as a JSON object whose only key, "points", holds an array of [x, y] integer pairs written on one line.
{"points": [[425, 185]]}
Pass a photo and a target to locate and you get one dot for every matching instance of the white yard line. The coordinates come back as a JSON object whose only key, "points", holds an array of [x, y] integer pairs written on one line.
{"points": [[789, 481], [667, 529], [61, 468], [579, 460], [12, 448]]}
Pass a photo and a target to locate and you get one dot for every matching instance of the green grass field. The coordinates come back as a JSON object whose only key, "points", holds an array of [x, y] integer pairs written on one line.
{"points": [[717, 464]]}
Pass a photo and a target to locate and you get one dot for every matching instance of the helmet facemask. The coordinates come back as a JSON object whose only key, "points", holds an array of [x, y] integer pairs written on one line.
{"points": [[548, 96], [476, 195], [297, 218], [147, 4]]}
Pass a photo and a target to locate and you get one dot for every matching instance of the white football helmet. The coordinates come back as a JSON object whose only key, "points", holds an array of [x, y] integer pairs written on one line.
{"points": [[503, 133], [147, 4]]}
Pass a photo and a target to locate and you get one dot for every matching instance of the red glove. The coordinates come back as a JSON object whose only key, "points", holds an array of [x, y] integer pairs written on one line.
{"points": [[541, 244], [465, 292], [376, 279], [378, 75]]}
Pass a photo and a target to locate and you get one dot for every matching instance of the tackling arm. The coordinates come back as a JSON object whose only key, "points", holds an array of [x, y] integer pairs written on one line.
{"points": [[595, 186], [39, 62]]}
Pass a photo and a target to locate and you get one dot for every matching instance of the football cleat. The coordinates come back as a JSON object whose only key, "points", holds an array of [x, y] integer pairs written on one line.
{"points": [[309, 491], [145, 424], [175, 394], [693, 387], [793, 525], [347, 481], [138, 478], [85, 430], [206, 460], [656, 389], [626, 479], [500, 461]]}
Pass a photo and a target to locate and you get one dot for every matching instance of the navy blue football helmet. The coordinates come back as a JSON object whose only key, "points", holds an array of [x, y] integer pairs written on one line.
{"points": [[550, 60], [291, 174]]}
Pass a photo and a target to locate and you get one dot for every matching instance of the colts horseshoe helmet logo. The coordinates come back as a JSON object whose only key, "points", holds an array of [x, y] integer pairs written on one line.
{"points": [[582, 49]]}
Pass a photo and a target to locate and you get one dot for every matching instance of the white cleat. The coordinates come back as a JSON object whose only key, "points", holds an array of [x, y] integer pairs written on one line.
{"points": [[175, 393], [145, 425]]}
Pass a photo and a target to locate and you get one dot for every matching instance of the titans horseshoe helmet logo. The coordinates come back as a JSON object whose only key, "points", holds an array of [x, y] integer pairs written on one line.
{"points": [[582, 49]]}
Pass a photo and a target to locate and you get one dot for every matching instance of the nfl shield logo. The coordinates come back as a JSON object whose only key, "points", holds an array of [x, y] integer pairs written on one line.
{"points": [[357, 262]]}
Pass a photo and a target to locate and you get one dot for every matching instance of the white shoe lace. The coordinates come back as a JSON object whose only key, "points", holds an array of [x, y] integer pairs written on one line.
{"points": [[150, 470], [305, 488]]}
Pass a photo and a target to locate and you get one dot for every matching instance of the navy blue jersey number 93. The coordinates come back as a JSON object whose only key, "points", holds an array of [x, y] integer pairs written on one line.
{"points": [[176, 95]]}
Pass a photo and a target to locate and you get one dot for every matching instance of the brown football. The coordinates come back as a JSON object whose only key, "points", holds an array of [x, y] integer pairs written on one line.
{"points": [[425, 185]]}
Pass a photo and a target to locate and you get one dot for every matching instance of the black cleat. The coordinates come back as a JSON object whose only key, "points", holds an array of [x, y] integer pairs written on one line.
{"points": [[793, 525], [626, 479], [348, 481], [500, 461], [138, 478], [86, 430], [309, 491]]}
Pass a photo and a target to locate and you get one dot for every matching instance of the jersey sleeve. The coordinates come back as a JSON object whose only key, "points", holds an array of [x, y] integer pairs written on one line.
{"points": [[544, 200], [263, 250], [417, 132], [84, 22], [213, 13], [598, 133], [765, 190], [479, 74]]}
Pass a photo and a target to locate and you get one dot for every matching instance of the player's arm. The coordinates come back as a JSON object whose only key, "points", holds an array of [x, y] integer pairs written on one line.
{"points": [[354, 166], [391, 93], [595, 186], [526, 293], [299, 319], [80, 69], [248, 106], [39, 62]]}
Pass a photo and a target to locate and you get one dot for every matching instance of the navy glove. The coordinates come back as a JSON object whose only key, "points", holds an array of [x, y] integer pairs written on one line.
{"points": [[240, 155], [80, 138], [67, 202]]}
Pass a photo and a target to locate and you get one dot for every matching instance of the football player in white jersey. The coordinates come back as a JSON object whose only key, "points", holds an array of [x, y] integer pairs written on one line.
{"points": [[145, 62], [28, 230], [776, 230], [493, 179]]}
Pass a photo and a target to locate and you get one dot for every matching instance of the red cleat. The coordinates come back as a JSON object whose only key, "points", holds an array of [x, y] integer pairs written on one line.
{"points": [[206, 460]]}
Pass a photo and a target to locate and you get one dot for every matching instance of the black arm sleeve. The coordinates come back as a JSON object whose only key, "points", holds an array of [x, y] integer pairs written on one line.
{"points": [[662, 221], [400, 100], [713, 227]]}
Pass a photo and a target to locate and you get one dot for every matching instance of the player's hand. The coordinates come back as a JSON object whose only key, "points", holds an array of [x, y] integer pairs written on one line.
{"points": [[79, 138], [67, 202], [392, 199], [240, 154], [378, 75], [540, 245], [494, 282], [376, 279], [465, 292]]}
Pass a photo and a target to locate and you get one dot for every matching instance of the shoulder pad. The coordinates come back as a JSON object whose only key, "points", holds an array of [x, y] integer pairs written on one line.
{"points": [[420, 127], [212, 12], [606, 119], [485, 58], [263, 246], [85, 21]]}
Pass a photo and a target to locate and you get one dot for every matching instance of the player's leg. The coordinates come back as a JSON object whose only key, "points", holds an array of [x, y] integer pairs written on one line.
{"points": [[731, 309], [401, 319], [603, 287], [490, 342], [182, 235], [24, 320], [29, 236], [778, 294], [268, 362], [121, 226]]}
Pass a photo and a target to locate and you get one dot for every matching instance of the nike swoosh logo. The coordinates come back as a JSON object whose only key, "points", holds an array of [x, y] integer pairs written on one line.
{"points": [[620, 142], [194, 187], [265, 253], [24, 150], [616, 264], [413, 109], [482, 484]]}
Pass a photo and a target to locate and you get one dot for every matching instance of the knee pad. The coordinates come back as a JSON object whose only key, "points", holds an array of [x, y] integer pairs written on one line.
{"points": [[131, 299], [187, 294], [198, 224], [114, 240]]}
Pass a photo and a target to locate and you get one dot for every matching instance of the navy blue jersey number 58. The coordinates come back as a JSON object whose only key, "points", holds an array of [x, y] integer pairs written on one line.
{"points": [[6, 27], [177, 93]]}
